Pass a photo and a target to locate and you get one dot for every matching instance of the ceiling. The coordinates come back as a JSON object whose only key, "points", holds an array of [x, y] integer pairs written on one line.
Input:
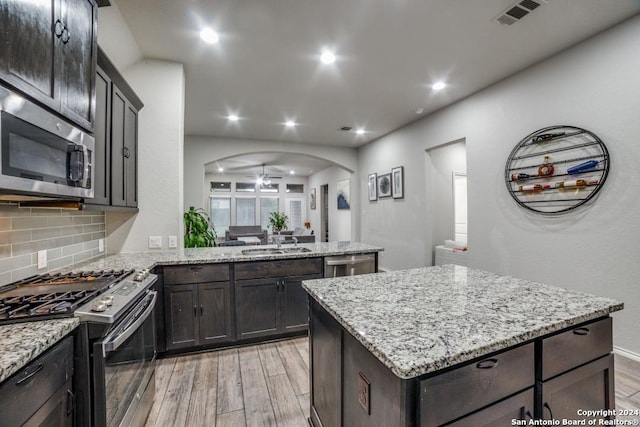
{"points": [[266, 69], [280, 164]]}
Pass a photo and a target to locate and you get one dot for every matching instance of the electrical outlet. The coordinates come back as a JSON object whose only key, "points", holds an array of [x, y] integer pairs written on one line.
{"points": [[173, 242], [100, 245], [42, 259], [155, 242]]}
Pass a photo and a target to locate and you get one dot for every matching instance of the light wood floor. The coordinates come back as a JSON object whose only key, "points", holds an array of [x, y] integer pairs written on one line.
{"points": [[268, 385]]}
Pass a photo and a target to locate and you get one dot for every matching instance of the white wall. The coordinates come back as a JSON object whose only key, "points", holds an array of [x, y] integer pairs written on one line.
{"points": [[201, 150], [593, 85], [115, 37], [444, 161], [343, 222]]}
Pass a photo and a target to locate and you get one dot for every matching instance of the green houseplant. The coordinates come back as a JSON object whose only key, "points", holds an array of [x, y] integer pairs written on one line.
{"points": [[198, 229], [278, 221]]}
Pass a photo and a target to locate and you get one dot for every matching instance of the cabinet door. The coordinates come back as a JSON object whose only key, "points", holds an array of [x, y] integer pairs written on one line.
{"points": [[80, 58], [118, 137], [518, 407], [131, 156], [57, 411], [589, 387], [257, 307], [181, 311], [295, 309], [102, 135], [215, 313], [28, 53]]}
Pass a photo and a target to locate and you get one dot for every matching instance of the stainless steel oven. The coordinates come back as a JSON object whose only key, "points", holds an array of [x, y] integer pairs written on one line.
{"points": [[41, 155], [118, 329]]}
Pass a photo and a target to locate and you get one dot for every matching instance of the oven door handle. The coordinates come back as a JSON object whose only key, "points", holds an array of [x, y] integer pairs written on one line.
{"points": [[117, 338]]}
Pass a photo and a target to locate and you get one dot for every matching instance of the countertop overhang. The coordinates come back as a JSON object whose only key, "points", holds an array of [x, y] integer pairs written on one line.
{"points": [[422, 320]]}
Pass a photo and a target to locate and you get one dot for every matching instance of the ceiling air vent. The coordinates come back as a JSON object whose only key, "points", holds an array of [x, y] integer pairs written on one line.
{"points": [[346, 128], [518, 10]]}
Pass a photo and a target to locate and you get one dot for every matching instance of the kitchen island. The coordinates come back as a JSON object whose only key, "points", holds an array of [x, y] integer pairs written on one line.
{"points": [[455, 346]]}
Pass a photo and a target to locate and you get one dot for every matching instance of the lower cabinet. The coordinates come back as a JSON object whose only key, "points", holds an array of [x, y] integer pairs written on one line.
{"points": [[41, 393], [197, 314], [587, 388], [266, 307], [518, 407]]}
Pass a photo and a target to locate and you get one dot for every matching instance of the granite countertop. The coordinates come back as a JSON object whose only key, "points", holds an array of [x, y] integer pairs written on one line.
{"points": [[148, 260], [422, 320], [20, 343]]}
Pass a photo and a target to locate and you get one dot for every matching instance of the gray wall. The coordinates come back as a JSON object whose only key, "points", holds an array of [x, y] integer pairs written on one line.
{"points": [[594, 85], [68, 236]]}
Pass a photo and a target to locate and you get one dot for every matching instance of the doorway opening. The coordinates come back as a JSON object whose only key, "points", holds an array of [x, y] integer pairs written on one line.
{"points": [[324, 213]]}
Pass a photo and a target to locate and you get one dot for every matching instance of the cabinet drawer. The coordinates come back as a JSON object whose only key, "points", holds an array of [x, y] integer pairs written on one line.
{"points": [[453, 394], [575, 347], [196, 273], [282, 268], [518, 407], [32, 386]]}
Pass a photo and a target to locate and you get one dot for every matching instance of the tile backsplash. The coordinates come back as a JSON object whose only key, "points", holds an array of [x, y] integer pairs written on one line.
{"points": [[68, 236]]}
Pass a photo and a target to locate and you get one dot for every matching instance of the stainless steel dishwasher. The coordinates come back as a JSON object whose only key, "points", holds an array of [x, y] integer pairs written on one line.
{"points": [[349, 265]]}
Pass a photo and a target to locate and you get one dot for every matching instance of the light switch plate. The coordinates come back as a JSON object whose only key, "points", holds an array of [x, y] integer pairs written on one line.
{"points": [[42, 259], [173, 242], [155, 242]]}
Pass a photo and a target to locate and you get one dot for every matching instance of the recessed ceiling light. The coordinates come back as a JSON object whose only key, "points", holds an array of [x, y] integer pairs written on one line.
{"points": [[209, 36], [419, 110], [233, 118], [289, 123], [438, 85], [327, 57], [360, 131], [291, 172], [220, 169]]}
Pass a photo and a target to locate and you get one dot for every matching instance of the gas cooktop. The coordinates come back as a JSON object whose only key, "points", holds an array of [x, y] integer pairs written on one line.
{"points": [[51, 296]]}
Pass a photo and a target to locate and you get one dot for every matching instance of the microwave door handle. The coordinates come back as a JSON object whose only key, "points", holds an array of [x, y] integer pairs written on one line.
{"points": [[86, 167], [113, 342]]}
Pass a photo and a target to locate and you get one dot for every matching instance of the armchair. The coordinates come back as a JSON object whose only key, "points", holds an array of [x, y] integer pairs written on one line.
{"points": [[236, 231]]}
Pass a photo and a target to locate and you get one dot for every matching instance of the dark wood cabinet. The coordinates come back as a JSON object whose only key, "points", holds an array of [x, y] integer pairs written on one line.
{"points": [[271, 302], [116, 137], [197, 314], [41, 393], [50, 54], [518, 407]]}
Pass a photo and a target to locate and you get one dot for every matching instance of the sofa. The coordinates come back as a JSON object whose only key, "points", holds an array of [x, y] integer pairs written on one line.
{"points": [[303, 235], [236, 231]]}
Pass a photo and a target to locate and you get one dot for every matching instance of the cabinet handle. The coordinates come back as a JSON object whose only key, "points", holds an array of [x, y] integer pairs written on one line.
{"points": [[70, 402], [546, 405], [65, 35], [201, 309], [581, 331], [487, 364], [30, 374], [196, 268], [528, 414], [58, 28], [195, 311]]}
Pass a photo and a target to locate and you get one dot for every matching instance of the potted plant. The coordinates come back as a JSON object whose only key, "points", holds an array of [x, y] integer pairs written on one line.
{"points": [[278, 221], [198, 229]]}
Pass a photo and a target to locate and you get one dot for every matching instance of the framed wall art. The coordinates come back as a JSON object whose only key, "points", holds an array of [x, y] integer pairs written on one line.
{"points": [[373, 187], [312, 198], [384, 185], [397, 180], [343, 194]]}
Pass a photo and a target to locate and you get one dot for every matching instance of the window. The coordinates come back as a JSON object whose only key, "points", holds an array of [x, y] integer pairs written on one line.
{"points": [[245, 211], [268, 204], [246, 187], [295, 188], [220, 186], [271, 188], [294, 210], [220, 214]]}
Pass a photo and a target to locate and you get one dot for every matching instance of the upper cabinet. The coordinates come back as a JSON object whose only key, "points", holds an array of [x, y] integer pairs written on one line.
{"points": [[48, 51]]}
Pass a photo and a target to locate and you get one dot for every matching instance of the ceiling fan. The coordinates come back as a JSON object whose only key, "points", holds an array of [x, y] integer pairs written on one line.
{"points": [[264, 178]]}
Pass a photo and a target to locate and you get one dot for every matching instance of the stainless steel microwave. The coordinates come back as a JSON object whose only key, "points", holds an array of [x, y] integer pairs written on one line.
{"points": [[41, 155]]}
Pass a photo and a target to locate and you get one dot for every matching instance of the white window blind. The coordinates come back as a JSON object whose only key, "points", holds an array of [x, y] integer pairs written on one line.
{"points": [[220, 214], [267, 205], [245, 211], [294, 210]]}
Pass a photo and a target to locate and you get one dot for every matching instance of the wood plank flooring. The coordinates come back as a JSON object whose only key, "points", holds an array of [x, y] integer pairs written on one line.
{"points": [[268, 385]]}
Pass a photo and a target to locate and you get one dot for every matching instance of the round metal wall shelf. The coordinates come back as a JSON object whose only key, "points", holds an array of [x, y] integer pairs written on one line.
{"points": [[556, 169]]}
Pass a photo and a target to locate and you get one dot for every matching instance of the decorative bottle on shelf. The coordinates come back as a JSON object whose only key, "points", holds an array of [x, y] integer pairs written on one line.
{"points": [[572, 183], [582, 167], [519, 176], [531, 188], [546, 169]]}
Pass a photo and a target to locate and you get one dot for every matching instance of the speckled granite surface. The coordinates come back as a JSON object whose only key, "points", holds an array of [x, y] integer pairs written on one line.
{"points": [[422, 320], [141, 260], [20, 343]]}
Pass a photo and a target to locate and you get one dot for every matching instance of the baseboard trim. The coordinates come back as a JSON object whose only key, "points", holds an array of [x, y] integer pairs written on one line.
{"points": [[626, 353]]}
